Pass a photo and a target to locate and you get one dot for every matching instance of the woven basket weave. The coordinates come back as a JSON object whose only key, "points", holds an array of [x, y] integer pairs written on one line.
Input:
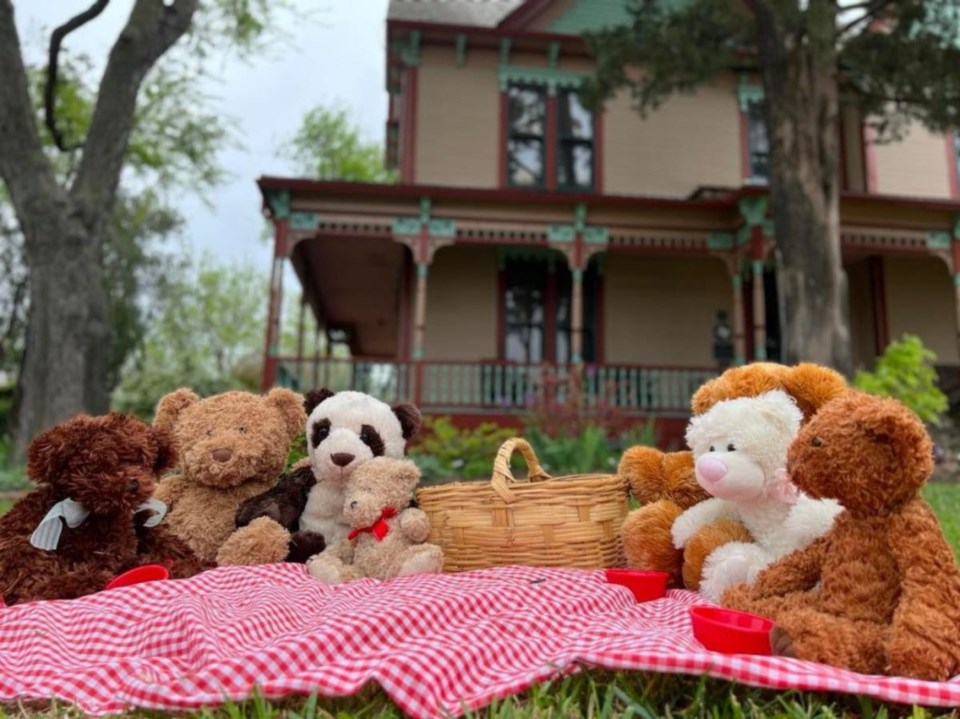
{"points": [[569, 521]]}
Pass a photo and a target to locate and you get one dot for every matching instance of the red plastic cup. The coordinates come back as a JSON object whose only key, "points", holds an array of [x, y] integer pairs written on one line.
{"points": [[646, 586], [144, 573], [731, 632]]}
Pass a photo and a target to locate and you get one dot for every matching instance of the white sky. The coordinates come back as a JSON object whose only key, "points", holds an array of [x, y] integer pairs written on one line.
{"points": [[338, 57]]}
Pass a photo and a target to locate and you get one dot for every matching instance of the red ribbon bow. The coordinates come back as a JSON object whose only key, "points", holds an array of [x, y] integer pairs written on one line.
{"points": [[378, 529]]}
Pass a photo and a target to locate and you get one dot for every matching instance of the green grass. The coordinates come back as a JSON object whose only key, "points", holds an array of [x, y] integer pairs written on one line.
{"points": [[591, 694]]}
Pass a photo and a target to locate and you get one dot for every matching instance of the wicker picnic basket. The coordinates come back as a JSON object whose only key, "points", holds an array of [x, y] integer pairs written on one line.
{"points": [[571, 521]]}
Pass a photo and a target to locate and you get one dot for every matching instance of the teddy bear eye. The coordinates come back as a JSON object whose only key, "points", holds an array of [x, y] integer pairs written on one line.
{"points": [[242, 430], [731, 448], [816, 442], [712, 448], [209, 432]]}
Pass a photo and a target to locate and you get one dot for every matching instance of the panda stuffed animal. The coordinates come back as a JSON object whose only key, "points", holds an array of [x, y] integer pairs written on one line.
{"points": [[303, 513]]}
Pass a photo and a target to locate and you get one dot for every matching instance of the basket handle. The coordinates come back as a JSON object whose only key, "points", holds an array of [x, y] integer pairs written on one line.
{"points": [[502, 476]]}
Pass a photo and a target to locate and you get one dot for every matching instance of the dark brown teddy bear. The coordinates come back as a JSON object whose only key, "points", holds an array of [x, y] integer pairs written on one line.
{"points": [[94, 474], [880, 592], [233, 446]]}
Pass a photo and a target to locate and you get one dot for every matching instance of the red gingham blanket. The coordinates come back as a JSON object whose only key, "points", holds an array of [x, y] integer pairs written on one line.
{"points": [[436, 644]]}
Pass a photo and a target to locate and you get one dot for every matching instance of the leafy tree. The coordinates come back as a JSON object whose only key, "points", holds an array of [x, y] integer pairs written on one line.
{"points": [[905, 372], [137, 124], [205, 332], [328, 146], [894, 60]]}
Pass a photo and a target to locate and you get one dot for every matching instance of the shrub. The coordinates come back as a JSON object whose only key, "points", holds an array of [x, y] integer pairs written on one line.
{"points": [[448, 452], [562, 408], [905, 372]]}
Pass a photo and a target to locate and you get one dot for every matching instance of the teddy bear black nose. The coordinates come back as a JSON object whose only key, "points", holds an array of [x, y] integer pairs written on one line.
{"points": [[342, 459], [221, 455], [353, 504]]}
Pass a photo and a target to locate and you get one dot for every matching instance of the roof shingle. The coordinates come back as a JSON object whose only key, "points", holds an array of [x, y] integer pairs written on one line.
{"points": [[482, 13]]}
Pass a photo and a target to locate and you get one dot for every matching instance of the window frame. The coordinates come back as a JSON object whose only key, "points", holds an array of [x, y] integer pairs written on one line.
{"points": [[511, 136], [572, 140]]}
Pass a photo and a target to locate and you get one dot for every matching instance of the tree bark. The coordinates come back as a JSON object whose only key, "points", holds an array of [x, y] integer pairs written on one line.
{"points": [[799, 67], [67, 350]]}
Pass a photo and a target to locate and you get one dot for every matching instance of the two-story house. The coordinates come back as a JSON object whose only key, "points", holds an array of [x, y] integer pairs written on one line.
{"points": [[528, 238]]}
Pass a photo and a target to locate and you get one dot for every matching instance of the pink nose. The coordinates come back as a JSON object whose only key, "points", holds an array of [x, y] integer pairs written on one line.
{"points": [[711, 469]]}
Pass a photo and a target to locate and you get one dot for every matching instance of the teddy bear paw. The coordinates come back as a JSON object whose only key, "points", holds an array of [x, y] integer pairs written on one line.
{"points": [[781, 643], [324, 571]]}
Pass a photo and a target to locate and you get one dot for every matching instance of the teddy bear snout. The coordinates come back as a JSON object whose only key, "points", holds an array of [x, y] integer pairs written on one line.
{"points": [[221, 455], [711, 469], [342, 459]]}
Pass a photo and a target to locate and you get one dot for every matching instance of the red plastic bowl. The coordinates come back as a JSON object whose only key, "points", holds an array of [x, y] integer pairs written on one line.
{"points": [[145, 573], [645, 586], [731, 632]]}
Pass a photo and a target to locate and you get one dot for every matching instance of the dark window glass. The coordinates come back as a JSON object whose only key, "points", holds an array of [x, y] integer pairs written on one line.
{"points": [[758, 142], [575, 143], [527, 110]]}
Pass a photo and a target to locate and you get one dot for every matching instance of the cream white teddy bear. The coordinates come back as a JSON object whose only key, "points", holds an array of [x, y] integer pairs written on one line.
{"points": [[740, 451]]}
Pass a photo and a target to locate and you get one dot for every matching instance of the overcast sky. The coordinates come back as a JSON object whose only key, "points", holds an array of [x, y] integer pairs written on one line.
{"points": [[339, 57]]}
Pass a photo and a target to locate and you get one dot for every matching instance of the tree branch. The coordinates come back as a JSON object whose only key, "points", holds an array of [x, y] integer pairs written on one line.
{"points": [[23, 165], [152, 28], [50, 91]]}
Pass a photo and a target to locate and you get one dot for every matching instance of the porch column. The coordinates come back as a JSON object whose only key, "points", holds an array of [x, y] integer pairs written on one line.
{"points": [[739, 340], [754, 212], [274, 309], [576, 316], [420, 310], [955, 251], [300, 325], [759, 311]]}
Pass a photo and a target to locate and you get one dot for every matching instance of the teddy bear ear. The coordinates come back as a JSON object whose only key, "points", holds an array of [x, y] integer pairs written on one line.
{"points": [[315, 397], [291, 407], [166, 450], [747, 381], [779, 409], [170, 406], [410, 419], [813, 385], [51, 450]]}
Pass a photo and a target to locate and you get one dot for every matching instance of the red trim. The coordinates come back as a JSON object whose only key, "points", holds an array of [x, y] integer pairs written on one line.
{"points": [[493, 33], [502, 142], [869, 158], [542, 197], [501, 313], [598, 178], [270, 362], [408, 150], [524, 15], [756, 242], [551, 141], [878, 286], [599, 313], [952, 165]]}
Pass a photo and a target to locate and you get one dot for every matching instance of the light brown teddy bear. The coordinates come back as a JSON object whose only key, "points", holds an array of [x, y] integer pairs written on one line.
{"points": [[387, 535], [233, 446], [880, 592], [666, 485]]}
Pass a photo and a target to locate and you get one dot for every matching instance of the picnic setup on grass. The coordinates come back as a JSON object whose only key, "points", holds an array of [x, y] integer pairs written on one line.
{"points": [[182, 564]]}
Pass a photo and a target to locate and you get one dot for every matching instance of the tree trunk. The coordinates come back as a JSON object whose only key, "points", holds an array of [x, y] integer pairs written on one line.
{"points": [[799, 66]]}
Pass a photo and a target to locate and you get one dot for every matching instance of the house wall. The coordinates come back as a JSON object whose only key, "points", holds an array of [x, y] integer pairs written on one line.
{"points": [[661, 310], [461, 322], [920, 301], [915, 166]]}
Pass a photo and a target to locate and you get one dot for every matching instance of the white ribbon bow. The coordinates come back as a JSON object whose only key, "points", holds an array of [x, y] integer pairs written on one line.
{"points": [[47, 534]]}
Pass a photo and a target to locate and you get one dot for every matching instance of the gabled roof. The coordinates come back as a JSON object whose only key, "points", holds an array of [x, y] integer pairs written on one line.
{"points": [[480, 13]]}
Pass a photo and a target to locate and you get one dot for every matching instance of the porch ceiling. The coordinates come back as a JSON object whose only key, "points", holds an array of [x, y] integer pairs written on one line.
{"points": [[355, 284]]}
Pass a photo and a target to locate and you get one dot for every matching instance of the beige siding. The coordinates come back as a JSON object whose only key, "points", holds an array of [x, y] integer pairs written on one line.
{"points": [[691, 140], [458, 119], [920, 301], [462, 304], [661, 310], [863, 341], [915, 166]]}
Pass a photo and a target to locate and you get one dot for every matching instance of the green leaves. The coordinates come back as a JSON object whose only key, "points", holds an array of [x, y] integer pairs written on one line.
{"points": [[328, 146]]}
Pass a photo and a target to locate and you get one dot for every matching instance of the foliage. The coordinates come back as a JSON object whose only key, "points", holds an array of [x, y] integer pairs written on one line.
{"points": [[583, 453], [298, 450], [905, 372], [12, 477], [328, 146], [447, 452], [206, 333], [560, 407]]}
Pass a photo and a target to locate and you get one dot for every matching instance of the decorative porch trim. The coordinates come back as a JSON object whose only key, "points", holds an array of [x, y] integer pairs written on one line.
{"points": [[461, 49], [552, 78], [677, 241], [884, 239], [747, 92], [720, 241], [424, 235], [279, 203], [939, 240], [410, 49]]}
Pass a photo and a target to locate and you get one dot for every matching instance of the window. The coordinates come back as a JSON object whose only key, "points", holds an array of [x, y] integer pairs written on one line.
{"points": [[758, 143], [956, 153], [526, 146], [549, 144], [575, 143]]}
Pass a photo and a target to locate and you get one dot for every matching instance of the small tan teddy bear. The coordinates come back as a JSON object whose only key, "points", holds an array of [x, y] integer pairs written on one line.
{"points": [[387, 535]]}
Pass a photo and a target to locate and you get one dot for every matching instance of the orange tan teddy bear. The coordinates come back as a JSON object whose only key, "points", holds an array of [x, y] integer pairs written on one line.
{"points": [[387, 535], [233, 446], [880, 592], [666, 485]]}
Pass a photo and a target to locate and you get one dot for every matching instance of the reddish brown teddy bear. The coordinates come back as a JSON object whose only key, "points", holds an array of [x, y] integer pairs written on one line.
{"points": [[880, 592], [665, 483], [106, 468]]}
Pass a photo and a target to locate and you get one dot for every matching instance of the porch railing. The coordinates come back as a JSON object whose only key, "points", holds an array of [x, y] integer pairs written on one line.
{"points": [[498, 387]]}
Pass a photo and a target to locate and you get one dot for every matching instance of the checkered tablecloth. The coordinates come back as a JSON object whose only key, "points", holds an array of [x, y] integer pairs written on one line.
{"points": [[435, 643]]}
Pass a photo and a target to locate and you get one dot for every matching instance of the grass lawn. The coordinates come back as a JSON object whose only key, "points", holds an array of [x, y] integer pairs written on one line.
{"points": [[600, 694]]}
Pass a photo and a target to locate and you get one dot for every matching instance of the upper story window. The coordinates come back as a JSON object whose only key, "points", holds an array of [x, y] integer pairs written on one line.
{"points": [[526, 141], [549, 144], [758, 142]]}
